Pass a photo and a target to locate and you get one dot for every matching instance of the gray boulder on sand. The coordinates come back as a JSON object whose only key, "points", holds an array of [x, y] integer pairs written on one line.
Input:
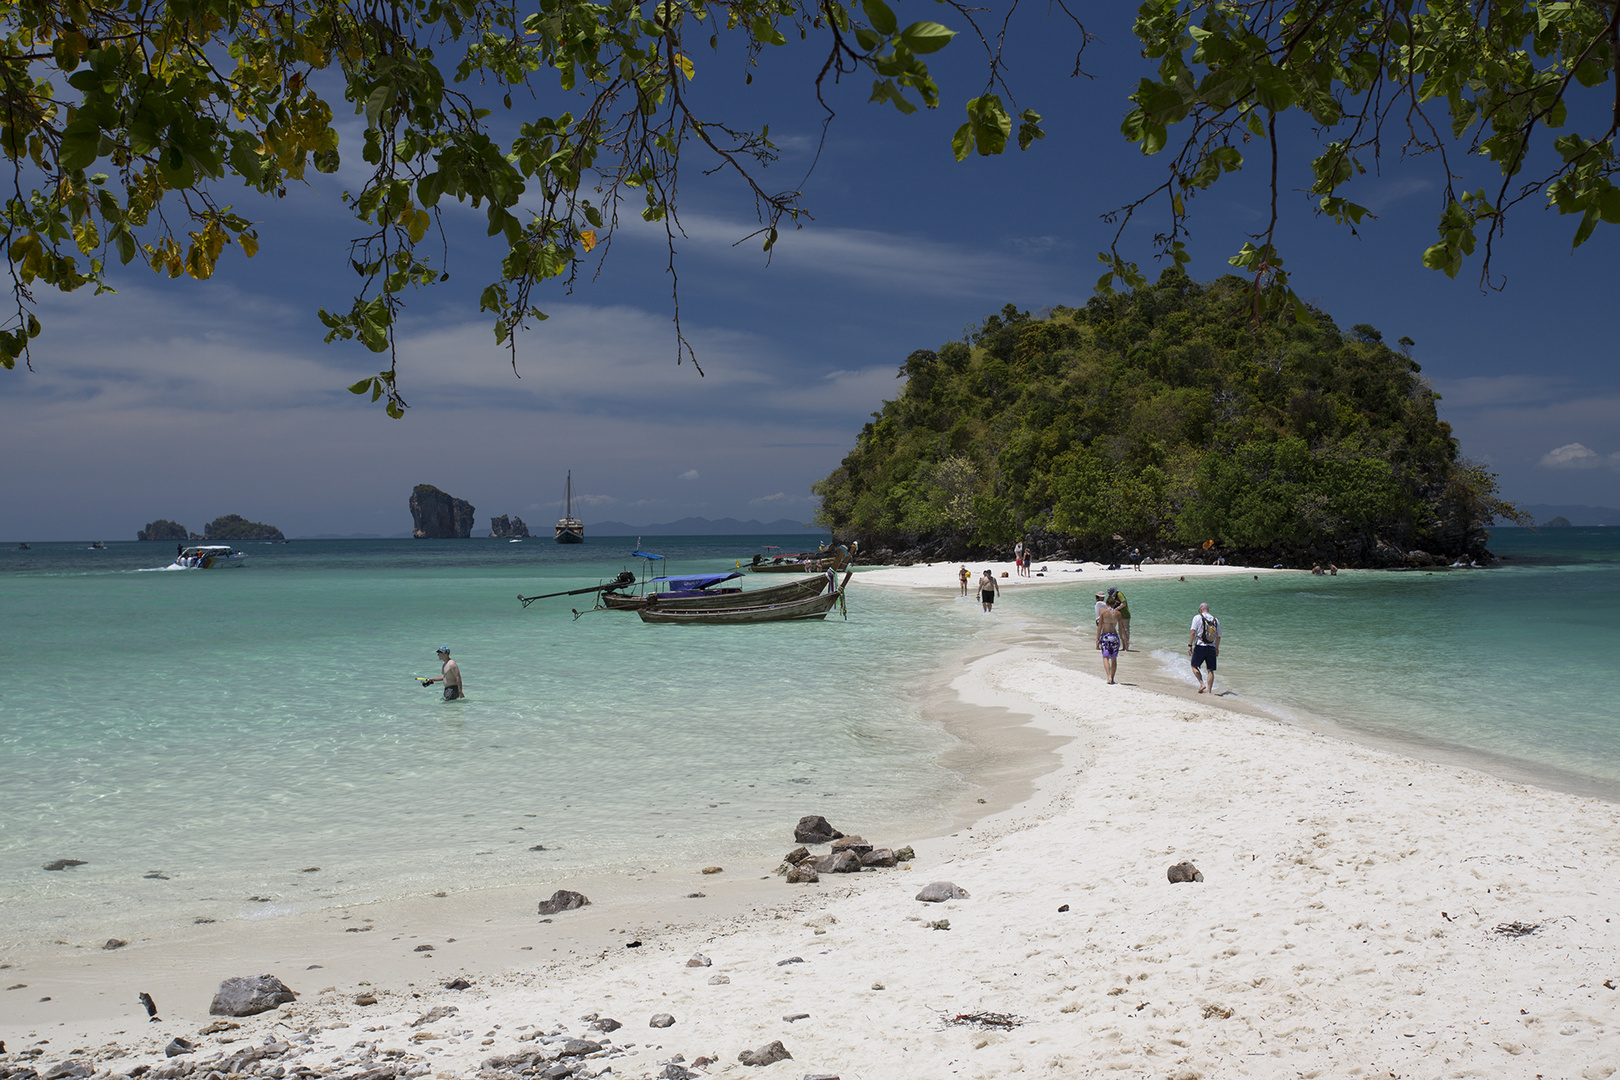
{"points": [[563, 900], [765, 1055], [1183, 871], [802, 874], [249, 996], [936, 891], [661, 1020], [813, 829]]}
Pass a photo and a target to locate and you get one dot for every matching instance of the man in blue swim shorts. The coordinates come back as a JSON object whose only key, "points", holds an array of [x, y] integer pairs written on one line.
{"points": [[1108, 640], [1204, 643]]}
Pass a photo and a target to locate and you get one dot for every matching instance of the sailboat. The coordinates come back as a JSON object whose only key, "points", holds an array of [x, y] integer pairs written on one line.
{"points": [[570, 530]]}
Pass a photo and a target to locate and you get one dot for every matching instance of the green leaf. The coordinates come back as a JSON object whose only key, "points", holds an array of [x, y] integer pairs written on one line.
{"points": [[362, 386], [883, 20], [962, 142], [926, 37]]}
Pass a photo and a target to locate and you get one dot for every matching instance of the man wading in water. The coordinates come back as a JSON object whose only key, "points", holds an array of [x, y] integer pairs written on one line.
{"points": [[451, 677]]}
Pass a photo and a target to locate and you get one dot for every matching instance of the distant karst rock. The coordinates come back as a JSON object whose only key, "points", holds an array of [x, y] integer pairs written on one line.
{"points": [[1559, 522], [237, 527], [439, 516], [500, 527], [163, 529]]}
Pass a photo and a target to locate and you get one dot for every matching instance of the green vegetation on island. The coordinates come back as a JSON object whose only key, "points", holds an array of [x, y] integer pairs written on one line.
{"points": [[235, 527], [1165, 419]]}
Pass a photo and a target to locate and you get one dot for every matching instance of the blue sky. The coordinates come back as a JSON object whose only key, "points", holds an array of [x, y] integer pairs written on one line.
{"points": [[184, 400]]}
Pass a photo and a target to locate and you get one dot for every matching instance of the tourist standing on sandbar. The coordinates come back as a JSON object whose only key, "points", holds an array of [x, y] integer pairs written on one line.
{"points": [[1204, 643], [963, 576]]}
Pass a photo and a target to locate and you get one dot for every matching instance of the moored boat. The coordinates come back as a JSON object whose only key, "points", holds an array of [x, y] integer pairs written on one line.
{"points": [[208, 557], [770, 560], [812, 607], [698, 593], [570, 530]]}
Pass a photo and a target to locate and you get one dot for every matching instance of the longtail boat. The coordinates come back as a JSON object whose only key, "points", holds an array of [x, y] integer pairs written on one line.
{"points": [[813, 607]]}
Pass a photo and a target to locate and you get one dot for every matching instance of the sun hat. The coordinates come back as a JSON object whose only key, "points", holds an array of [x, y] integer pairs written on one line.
{"points": [[444, 649]]}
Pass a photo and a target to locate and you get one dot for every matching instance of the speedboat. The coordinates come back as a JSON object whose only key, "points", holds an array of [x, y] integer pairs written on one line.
{"points": [[208, 557]]}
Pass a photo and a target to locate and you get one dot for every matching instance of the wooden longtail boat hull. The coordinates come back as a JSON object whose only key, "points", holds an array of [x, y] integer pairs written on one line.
{"points": [[816, 607], [772, 594]]}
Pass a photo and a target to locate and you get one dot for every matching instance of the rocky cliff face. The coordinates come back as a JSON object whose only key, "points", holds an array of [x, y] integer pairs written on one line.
{"points": [[236, 527], [439, 516], [163, 529], [500, 526]]}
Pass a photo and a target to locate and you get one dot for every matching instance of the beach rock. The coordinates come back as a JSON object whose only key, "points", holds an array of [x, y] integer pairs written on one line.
{"points": [[699, 961], [457, 984], [177, 1047], [802, 874], [790, 960], [519, 1060], [936, 891], [719, 980], [115, 943], [765, 1055], [249, 996], [852, 843], [63, 864], [661, 1020], [1183, 871], [68, 1068], [880, 856], [563, 900], [838, 862], [436, 515], [559, 1070], [713, 870], [905, 854], [673, 1071], [814, 829], [365, 999], [606, 1023], [438, 1012], [796, 856], [579, 1047]]}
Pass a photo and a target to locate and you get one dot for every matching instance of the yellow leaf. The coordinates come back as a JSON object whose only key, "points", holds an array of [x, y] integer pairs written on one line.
{"points": [[588, 238], [250, 244], [685, 63]]}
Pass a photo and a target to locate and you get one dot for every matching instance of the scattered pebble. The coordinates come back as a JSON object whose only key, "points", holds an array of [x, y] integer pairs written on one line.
{"points": [[661, 1020], [791, 1017], [790, 960], [700, 961], [719, 980], [63, 864], [115, 943], [714, 870]]}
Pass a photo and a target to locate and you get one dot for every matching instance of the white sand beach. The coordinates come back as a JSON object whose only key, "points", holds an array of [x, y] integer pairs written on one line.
{"points": [[1363, 913]]}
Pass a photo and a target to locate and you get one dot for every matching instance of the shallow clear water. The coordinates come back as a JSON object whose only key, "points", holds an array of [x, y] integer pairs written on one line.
{"points": [[1511, 662], [230, 728]]}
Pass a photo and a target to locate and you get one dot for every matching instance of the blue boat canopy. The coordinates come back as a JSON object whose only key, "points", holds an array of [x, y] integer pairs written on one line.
{"points": [[694, 581], [638, 553]]}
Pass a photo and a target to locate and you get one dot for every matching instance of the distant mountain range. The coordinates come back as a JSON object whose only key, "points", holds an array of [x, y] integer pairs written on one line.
{"points": [[691, 526], [696, 526], [1541, 513]]}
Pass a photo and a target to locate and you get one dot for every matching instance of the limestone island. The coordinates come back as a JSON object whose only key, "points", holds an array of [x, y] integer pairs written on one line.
{"points": [[436, 515], [514, 529]]}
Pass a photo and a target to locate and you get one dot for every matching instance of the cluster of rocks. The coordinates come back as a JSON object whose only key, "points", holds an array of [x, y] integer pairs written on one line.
{"points": [[847, 855], [437, 515], [510, 528]]}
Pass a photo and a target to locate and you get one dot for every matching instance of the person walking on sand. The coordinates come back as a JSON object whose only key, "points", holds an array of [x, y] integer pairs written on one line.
{"points": [[450, 676], [963, 576], [1108, 640], [1204, 643], [988, 590]]}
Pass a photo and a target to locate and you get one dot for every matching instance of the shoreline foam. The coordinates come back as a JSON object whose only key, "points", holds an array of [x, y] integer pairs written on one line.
{"points": [[1346, 926]]}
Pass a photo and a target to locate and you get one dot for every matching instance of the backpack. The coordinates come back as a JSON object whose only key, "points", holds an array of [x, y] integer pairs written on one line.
{"points": [[1208, 630]]}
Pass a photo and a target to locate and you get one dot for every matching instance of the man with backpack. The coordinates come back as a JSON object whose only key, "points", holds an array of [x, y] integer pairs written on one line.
{"points": [[1204, 643]]}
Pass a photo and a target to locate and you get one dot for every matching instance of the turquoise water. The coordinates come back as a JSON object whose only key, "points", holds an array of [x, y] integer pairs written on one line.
{"points": [[229, 729], [1510, 664]]}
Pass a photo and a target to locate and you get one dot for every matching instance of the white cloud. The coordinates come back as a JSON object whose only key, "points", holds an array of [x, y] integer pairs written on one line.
{"points": [[689, 474], [1571, 456]]}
